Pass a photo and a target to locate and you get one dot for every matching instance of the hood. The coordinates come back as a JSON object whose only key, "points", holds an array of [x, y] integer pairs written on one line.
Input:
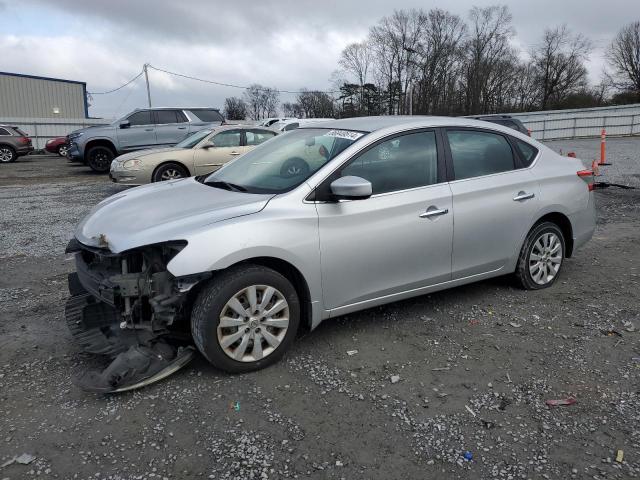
{"points": [[91, 128], [162, 212], [144, 153]]}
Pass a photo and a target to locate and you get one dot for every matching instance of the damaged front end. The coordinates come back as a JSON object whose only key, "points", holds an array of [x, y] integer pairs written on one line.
{"points": [[129, 308]]}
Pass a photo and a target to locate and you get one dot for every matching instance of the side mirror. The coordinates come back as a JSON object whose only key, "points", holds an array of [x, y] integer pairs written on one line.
{"points": [[351, 188], [125, 124]]}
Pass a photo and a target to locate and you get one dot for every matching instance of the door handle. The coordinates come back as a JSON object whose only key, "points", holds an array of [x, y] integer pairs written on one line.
{"points": [[523, 196], [148, 129], [434, 213], [182, 128], [235, 153]]}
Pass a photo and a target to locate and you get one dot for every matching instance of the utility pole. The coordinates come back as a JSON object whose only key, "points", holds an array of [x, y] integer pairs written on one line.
{"points": [[146, 77]]}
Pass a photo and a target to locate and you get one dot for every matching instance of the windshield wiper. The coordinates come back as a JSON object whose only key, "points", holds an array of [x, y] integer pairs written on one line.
{"points": [[232, 187]]}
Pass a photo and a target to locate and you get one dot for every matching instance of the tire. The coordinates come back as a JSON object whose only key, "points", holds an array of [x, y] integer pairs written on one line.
{"points": [[169, 171], [99, 158], [294, 167], [7, 154], [62, 150], [212, 303], [541, 257]]}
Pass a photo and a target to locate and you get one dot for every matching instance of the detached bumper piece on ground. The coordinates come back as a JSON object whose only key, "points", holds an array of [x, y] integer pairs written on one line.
{"points": [[126, 308]]}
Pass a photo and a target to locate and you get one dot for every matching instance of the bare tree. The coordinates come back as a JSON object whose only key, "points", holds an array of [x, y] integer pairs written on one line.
{"points": [[261, 101], [486, 47], [559, 64], [235, 108], [623, 55], [290, 109], [315, 104]]}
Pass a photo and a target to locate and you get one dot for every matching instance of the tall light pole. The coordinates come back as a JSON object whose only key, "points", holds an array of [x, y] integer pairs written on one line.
{"points": [[146, 77]]}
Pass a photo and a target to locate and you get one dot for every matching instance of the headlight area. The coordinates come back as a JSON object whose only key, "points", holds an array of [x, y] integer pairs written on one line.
{"points": [[129, 308], [133, 164]]}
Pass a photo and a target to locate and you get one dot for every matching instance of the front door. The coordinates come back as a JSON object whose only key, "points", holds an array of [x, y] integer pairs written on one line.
{"points": [[494, 201], [220, 149], [140, 132], [397, 240]]}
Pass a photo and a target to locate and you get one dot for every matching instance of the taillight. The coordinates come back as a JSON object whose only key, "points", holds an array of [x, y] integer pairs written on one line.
{"points": [[24, 140], [587, 176]]}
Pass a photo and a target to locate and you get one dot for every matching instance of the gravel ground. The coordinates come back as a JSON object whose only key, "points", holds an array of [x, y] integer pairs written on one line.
{"points": [[465, 370]]}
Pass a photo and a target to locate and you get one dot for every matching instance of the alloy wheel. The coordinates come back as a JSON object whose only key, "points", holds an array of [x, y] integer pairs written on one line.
{"points": [[545, 258], [62, 151], [6, 155], [170, 174], [253, 323]]}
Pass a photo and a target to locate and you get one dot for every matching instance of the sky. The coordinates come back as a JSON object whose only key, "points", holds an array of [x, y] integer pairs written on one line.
{"points": [[286, 44]]}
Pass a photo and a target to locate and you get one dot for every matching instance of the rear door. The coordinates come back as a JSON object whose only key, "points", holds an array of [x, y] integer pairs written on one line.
{"points": [[171, 126], [221, 148], [494, 200], [141, 132], [397, 240]]}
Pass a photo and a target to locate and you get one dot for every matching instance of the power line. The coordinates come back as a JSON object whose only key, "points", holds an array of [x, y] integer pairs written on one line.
{"points": [[233, 85], [120, 87]]}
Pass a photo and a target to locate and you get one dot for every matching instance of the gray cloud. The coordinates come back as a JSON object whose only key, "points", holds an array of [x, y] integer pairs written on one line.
{"points": [[284, 43]]}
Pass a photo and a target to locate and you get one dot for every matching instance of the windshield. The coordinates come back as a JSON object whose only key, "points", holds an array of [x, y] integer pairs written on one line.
{"points": [[192, 140], [284, 162]]}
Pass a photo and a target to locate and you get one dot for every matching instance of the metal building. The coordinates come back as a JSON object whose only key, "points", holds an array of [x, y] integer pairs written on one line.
{"points": [[28, 96], [44, 107]]}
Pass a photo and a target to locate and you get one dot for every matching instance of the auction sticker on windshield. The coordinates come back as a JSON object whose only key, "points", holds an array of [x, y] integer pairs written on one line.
{"points": [[348, 134]]}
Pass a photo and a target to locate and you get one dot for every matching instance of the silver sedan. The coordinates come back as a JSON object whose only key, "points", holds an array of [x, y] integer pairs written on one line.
{"points": [[329, 219]]}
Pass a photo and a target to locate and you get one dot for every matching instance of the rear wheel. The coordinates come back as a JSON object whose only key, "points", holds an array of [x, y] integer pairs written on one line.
{"points": [[99, 158], [245, 318], [7, 154], [541, 257], [169, 171]]}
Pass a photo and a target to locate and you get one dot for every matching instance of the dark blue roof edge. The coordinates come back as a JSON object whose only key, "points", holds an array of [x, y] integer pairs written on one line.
{"points": [[36, 77]]}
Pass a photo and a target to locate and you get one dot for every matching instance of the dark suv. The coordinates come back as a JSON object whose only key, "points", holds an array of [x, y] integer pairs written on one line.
{"points": [[14, 143], [144, 128], [506, 120]]}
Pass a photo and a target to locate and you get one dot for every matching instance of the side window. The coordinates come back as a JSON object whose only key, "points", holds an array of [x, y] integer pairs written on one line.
{"points": [[140, 118], [477, 153], [527, 152], [166, 116], [181, 117], [4, 132], [291, 126], [228, 138], [256, 137], [400, 163]]}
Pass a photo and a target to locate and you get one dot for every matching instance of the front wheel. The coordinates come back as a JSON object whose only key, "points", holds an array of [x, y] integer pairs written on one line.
{"points": [[245, 318], [169, 171], [541, 257], [62, 150], [99, 159]]}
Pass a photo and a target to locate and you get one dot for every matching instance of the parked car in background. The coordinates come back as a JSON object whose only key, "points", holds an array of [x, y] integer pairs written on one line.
{"points": [[246, 255], [14, 143], [201, 153], [57, 145], [505, 120], [97, 146], [267, 122], [293, 123]]}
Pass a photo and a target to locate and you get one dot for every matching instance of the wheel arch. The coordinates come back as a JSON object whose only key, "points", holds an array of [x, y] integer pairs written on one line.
{"points": [[563, 222], [100, 142], [165, 162]]}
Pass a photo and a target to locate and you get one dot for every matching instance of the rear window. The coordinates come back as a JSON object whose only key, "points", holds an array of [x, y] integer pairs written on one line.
{"points": [[527, 152], [4, 132], [208, 115]]}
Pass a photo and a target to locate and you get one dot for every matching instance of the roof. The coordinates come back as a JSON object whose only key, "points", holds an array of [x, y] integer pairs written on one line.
{"points": [[36, 77], [371, 124]]}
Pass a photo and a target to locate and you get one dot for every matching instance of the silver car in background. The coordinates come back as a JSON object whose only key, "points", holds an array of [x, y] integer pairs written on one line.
{"points": [[326, 220]]}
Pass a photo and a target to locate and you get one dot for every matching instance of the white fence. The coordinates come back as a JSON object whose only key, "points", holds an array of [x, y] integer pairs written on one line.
{"points": [[42, 129], [583, 122]]}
